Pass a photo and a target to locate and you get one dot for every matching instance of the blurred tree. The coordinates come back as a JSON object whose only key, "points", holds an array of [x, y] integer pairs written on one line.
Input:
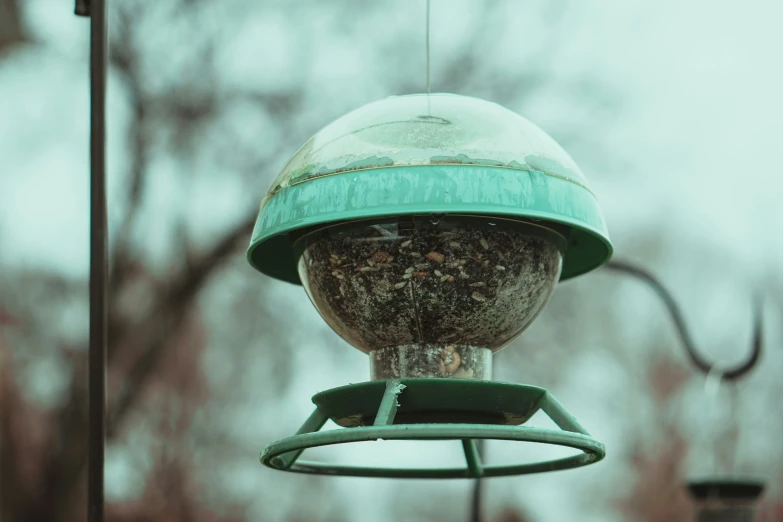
{"points": [[11, 26]]}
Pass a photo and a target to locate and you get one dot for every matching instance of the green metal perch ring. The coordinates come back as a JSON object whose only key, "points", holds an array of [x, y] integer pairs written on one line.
{"points": [[283, 454]]}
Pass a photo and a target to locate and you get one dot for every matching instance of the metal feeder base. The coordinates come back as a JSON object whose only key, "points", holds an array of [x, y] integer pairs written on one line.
{"points": [[434, 409]]}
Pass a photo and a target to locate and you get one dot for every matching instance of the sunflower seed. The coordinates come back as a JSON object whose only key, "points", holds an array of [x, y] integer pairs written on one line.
{"points": [[381, 256], [484, 243], [436, 256], [478, 297]]}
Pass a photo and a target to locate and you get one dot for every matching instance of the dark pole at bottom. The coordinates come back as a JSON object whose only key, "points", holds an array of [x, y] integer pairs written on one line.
{"points": [[726, 501], [96, 10], [478, 487], [476, 501]]}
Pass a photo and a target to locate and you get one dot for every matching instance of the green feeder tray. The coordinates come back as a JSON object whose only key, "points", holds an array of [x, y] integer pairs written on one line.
{"points": [[434, 409]]}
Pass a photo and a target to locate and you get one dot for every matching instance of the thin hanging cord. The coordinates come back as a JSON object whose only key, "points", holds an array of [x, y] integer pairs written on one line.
{"points": [[428, 46], [96, 436]]}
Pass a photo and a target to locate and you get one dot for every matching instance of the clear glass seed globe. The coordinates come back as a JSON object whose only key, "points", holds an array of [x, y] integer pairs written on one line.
{"points": [[430, 296]]}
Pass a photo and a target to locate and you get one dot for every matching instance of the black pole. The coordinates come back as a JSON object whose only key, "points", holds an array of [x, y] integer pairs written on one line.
{"points": [[477, 496], [478, 490], [96, 10]]}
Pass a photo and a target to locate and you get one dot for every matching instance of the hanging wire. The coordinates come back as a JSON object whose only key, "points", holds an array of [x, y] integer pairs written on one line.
{"points": [[96, 435], [729, 373], [427, 45]]}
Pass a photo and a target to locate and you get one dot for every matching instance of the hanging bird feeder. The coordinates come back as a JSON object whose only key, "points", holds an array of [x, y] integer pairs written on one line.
{"points": [[429, 231], [720, 495], [726, 500]]}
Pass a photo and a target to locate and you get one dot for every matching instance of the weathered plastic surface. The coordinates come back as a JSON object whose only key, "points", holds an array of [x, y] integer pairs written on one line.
{"points": [[423, 154], [437, 129]]}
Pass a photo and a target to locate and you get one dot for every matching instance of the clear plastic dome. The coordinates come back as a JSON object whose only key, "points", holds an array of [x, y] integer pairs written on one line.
{"points": [[436, 129], [429, 154]]}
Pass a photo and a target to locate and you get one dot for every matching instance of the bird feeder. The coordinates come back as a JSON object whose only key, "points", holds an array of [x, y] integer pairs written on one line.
{"points": [[726, 500], [720, 494], [429, 231]]}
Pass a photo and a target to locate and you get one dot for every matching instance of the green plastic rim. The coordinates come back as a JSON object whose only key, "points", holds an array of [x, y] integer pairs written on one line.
{"points": [[284, 454], [378, 193]]}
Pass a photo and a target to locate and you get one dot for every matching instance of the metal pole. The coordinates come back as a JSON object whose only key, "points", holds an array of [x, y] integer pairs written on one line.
{"points": [[478, 490], [477, 497], [96, 10]]}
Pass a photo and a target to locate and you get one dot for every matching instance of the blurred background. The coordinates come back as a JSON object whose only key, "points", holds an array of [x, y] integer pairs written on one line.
{"points": [[672, 109]]}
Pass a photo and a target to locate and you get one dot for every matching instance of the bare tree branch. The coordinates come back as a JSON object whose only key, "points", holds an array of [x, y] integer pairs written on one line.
{"points": [[163, 323], [11, 28], [124, 58]]}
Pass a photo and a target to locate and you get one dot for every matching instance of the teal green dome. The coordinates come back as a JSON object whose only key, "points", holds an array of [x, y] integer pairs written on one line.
{"points": [[429, 154]]}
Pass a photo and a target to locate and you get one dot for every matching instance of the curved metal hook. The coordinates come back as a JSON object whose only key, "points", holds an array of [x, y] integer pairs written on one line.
{"points": [[730, 373]]}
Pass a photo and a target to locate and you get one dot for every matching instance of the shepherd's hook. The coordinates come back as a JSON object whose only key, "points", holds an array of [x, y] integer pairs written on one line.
{"points": [[730, 373]]}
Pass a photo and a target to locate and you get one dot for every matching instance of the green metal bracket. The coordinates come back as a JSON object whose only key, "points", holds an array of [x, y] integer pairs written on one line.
{"points": [[284, 454], [389, 404]]}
